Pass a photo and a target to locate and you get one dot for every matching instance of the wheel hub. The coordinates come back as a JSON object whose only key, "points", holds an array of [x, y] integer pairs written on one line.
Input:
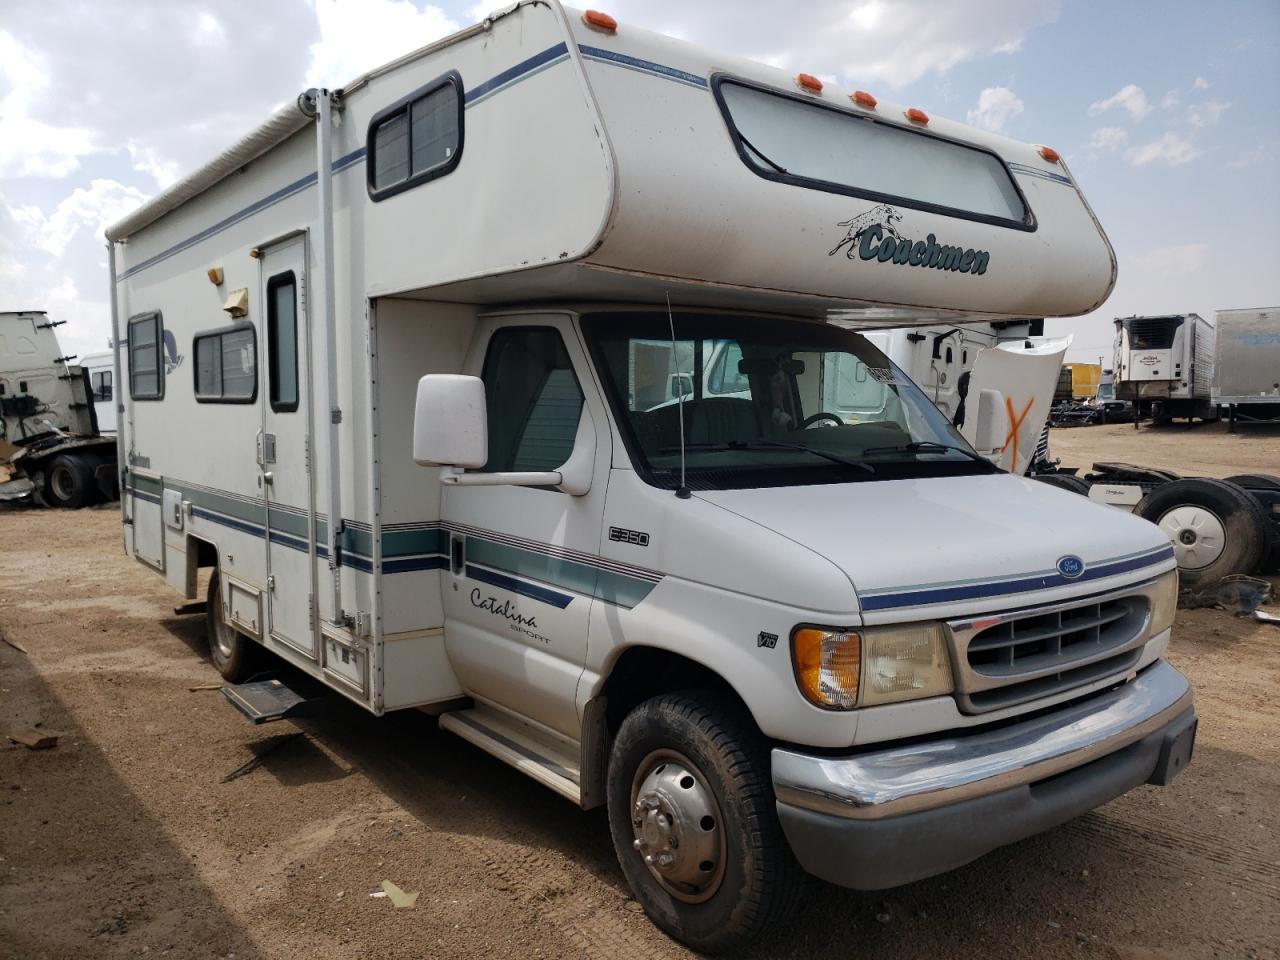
{"points": [[677, 826], [1197, 535]]}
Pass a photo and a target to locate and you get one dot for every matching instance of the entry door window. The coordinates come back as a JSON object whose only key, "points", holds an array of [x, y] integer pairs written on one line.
{"points": [[282, 341], [534, 401]]}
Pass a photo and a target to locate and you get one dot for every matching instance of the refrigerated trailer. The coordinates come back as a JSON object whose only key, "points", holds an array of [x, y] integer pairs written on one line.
{"points": [[1246, 373], [415, 414], [1164, 365]]}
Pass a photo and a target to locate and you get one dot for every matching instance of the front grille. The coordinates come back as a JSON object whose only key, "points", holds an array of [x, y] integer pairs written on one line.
{"points": [[1018, 657]]}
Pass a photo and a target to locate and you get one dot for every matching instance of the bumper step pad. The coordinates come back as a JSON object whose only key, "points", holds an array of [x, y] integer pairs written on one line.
{"points": [[263, 701]]}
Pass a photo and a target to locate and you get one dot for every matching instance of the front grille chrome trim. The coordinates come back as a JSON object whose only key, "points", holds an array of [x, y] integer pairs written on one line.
{"points": [[991, 683]]}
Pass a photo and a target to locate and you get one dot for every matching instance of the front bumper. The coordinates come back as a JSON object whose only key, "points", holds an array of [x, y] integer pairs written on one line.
{"points": [[887, 817]]}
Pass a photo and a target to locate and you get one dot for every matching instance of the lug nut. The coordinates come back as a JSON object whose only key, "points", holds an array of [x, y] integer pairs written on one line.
{"points": [[636, 844]]}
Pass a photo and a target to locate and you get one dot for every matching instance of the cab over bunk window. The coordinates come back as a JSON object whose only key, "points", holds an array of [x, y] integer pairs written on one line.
{"points": [[227, 365], [534, 401], [146, 375], [782, 138], [416, 139]]}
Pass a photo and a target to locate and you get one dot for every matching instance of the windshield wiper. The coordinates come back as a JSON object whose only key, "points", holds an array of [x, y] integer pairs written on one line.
{"points": [[756, 150], [917, 445], [763, 444]]}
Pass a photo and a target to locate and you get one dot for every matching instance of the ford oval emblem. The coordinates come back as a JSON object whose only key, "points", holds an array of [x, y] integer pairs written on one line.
{"points": [[1070, 566]]}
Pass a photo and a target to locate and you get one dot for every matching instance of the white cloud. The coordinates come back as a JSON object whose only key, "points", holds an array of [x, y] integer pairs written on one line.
{"points": [[1170, 100], [1108, 139], [874, 42], [1175, 260], [1131, 98], [30, 147], [358, 35], [1200, 84], [1170, 149], [1206, 114], [96, 207], [996, 107]]}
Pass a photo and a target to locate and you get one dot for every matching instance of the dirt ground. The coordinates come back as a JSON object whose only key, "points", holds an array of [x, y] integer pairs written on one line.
{"points": [[121, 841], [1198, 450]]}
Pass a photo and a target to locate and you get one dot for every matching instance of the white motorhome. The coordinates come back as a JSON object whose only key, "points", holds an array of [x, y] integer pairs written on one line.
{"points": [[395, 366], [101, 370], [1164, 365]]}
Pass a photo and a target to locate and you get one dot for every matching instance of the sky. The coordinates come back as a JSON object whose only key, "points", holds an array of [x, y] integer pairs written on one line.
{"points": [[1167, 113]]}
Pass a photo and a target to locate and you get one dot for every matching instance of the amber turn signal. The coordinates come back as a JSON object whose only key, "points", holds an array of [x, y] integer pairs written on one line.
{"points": [[827, 664], [601, 21]]}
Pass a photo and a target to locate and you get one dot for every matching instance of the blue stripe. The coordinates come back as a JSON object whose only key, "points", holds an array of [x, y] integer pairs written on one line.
{"points": [[342, 163], [645, 66], [435, 562], [1040, 581], [1022, 168], [522, 587], [519, 70]]}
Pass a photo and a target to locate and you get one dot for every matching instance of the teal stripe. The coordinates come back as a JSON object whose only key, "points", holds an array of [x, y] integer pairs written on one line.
{"points": [[581, 578]]}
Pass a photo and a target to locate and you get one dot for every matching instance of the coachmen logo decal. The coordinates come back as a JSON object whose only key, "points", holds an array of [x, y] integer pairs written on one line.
{"points": [[873, 235], [1070, 566]]}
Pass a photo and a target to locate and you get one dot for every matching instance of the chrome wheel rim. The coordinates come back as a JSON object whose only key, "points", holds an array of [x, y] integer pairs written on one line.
{"points": [[60, 479], [1197, 535], [677, 826], [223, 634]]}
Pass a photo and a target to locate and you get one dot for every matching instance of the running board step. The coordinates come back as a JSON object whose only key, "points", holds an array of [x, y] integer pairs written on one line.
{"points": [[547, 759], [263, 701]]}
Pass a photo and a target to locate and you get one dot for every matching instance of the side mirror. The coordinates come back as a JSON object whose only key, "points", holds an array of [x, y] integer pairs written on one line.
{"points": [[450, 425], [992, 422]]}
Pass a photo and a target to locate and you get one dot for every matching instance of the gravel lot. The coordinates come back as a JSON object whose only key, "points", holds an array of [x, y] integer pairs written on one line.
{"points": [[122, 841]]}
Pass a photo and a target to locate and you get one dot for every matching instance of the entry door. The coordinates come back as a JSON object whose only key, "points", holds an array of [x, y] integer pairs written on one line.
{"points": [[283, 449], [518, 597]]}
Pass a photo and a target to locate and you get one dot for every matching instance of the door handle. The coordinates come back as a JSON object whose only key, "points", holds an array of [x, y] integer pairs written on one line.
{"points": [[268, 477]]}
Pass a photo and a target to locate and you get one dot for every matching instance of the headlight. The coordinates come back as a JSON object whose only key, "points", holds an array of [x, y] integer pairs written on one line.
{"points": [[905, 662], [1163, 595], [839, 669]]}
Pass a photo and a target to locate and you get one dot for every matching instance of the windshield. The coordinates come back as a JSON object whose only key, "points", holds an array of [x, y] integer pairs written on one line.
{"points": [[767, 403]]}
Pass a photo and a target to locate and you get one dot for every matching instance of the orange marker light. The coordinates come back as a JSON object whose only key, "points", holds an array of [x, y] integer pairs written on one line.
{"points": [[1050, 154], [601, 21], [916, 116], [807, 81], [863, 99]]}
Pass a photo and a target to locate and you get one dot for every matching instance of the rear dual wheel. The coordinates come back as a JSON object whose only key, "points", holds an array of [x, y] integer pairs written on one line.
{"points": [[694, 824]]}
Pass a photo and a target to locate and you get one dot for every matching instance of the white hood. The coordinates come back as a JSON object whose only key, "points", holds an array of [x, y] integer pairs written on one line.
{"points": [[958, 545]]}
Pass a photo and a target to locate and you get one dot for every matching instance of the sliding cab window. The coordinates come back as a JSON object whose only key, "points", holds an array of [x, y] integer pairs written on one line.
{"points": [[227, 365], [146, 369], [101, 386], [282, 342], [416, 139], [824, 148]]}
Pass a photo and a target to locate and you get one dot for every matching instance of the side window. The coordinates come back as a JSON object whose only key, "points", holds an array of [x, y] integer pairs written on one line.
{"points": [[146, 375], [534, 401], [725, 377], [102, 386], [416, 139], [227, 366], [282, 342]]}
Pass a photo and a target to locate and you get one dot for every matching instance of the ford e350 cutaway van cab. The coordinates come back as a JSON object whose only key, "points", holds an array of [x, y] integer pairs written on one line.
{"points": [[505, 383]]}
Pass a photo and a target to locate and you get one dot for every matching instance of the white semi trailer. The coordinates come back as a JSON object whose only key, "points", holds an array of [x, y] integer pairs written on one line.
{"points": [[1246, 373], [1164, 366], [413, 414]]}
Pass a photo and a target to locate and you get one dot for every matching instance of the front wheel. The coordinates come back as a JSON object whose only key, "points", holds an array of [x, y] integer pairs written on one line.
{"points": [[694, 824]]}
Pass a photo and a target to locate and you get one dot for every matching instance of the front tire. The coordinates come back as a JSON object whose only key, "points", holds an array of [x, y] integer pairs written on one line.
{"points": [[233, 654], [694, 822]]}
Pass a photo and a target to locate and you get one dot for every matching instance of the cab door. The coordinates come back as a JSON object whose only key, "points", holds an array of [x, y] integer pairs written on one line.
{"points": [[284, 459], [518, 596]]}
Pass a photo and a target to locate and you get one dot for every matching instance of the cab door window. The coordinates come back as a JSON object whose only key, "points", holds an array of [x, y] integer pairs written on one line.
{"points": [[534, 400]]}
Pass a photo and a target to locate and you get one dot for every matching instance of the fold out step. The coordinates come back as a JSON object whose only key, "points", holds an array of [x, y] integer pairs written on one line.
{"points": [[263, 701], [549, 760]]}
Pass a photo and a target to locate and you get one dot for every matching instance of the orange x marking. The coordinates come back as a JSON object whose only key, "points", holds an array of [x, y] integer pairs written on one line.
{"points": [[1015, 423]]}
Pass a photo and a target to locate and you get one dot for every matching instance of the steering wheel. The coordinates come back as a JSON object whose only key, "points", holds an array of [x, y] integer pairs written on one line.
{"points": [[821, 415]]}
